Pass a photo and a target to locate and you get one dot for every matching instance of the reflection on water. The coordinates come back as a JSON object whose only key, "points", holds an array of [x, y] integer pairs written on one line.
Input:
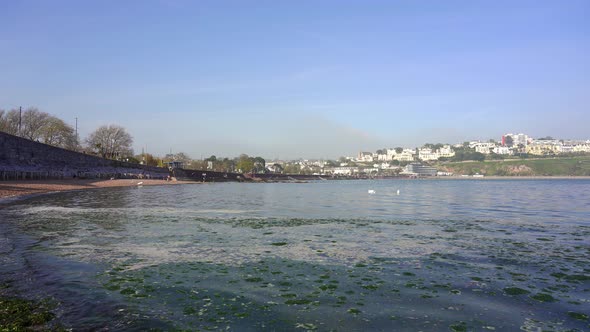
{"points": [[503, 254]]}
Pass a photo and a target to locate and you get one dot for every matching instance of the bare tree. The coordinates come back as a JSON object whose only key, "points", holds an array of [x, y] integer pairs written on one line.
{"points": [[38, 126], [9, 121], [57, 133], [33, 122], [111, 141], [3, 121], [181, 156]]}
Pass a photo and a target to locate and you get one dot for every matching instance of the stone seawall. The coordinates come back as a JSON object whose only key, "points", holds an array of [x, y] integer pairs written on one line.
{"points": [[24, 159]]}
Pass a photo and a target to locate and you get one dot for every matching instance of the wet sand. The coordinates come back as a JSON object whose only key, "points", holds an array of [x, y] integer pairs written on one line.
{"points": [[15, 189]]}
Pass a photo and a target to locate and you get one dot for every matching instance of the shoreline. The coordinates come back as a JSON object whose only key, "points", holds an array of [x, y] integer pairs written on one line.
{"points": [[14, 190], [514, 177]]}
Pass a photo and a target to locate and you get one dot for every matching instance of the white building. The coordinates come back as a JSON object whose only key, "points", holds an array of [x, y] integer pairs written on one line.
{"points": [[383, 157], [391, 153], [482, 147], [582, 147], [517, 139], [344, 170], [426, 154], [365, 157], [446, 152], [406, 155], [566, 148], [502, 150]]}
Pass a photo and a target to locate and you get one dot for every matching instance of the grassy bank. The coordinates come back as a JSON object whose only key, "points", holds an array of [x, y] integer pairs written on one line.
{"points": [[573, 166]]}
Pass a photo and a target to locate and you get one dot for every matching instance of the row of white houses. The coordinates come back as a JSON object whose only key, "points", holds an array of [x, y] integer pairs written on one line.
{"points": [[534, 147], [407, 155]]}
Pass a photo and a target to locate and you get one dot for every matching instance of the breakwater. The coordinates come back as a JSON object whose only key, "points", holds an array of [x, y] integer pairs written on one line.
{"points": [[23, 159]]}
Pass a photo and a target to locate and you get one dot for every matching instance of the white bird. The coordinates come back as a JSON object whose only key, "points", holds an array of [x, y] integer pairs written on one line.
{"points": [[371, 191], [139, 183], [398, 191]]}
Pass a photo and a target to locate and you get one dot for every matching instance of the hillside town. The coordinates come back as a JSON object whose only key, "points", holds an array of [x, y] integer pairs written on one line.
{"points": [[509, 145], [422, 161]]}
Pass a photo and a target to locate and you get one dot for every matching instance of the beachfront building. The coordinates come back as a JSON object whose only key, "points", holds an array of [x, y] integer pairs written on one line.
{"points": [[418, 169], [347, 171]]}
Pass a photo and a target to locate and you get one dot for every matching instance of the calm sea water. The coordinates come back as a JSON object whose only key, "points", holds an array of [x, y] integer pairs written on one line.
{"points": [[440, 255]]}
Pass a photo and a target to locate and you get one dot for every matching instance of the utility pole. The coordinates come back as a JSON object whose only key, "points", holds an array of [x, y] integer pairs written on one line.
{"points": [[76, 127], [20, 117]]}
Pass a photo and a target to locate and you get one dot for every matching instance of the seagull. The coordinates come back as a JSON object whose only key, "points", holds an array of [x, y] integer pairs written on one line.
{"points": [[371, 191], [398, 191], [139, 183]]}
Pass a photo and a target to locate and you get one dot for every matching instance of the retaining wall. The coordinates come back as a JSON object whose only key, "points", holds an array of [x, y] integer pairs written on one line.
{"points": [[24, 159]]}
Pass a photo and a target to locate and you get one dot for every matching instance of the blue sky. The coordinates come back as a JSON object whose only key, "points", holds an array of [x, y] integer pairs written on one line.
{"points": [[290, 79]]}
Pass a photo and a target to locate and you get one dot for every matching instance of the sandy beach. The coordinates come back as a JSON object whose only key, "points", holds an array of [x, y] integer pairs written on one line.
{"points": [[13, 189]]}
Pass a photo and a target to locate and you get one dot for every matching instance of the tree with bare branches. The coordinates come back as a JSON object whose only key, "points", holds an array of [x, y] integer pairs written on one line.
{"points": [[38, 126], [111, 141]]}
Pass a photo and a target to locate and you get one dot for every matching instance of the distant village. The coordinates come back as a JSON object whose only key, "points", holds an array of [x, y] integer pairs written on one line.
{"points": [[422, 161]]}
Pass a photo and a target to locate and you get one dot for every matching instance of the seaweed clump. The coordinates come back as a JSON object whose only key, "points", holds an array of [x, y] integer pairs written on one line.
{"points": [[18, 314]]}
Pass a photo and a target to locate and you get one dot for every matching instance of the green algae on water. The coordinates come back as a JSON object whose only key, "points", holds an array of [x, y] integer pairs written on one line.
{"points": [[542, 297], [577, 315], [21, 315], [515, 291], [354, 311], [459, 327]]}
